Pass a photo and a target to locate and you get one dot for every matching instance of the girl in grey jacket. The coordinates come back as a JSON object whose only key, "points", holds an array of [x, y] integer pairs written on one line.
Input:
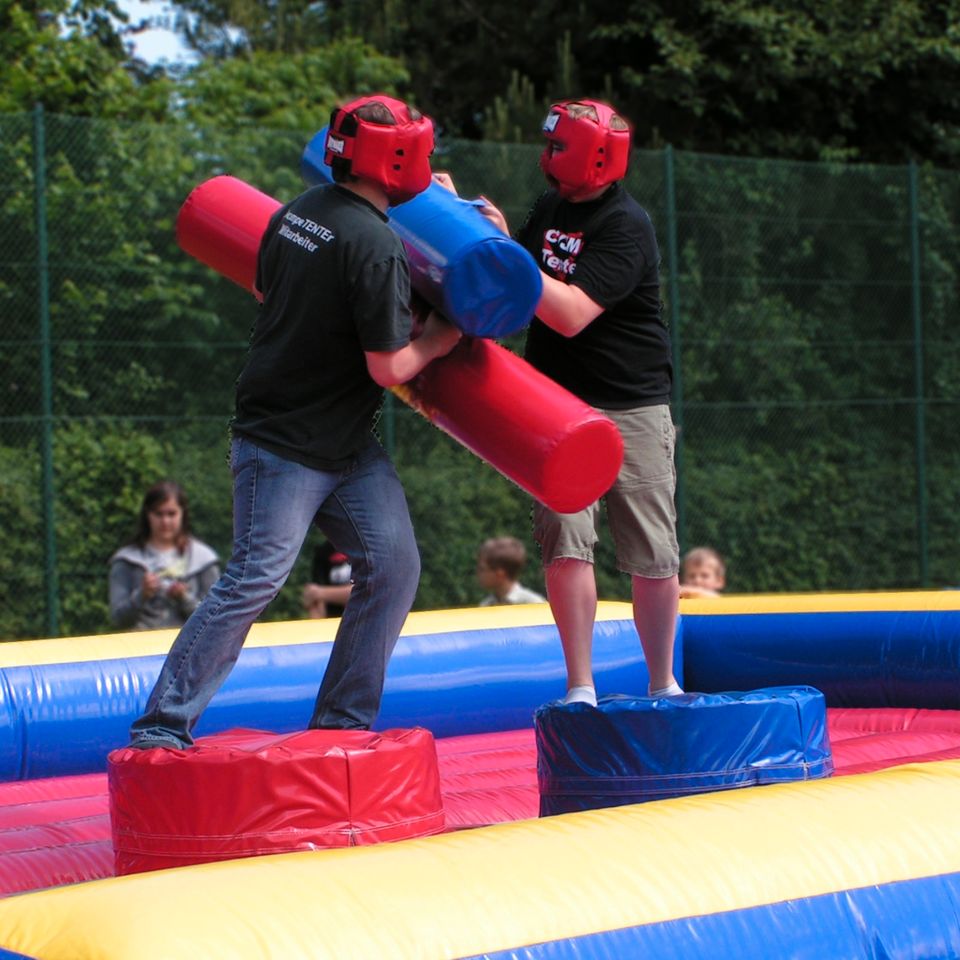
{"points": [[158, 579]]}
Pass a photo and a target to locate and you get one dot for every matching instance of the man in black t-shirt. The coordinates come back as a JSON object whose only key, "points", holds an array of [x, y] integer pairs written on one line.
{"points": [[333, 331], [598, 331]]}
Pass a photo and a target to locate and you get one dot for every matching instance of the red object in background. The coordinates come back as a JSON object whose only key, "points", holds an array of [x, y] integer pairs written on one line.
{"points": [[221, 223], [244, 793], [547, 441]]}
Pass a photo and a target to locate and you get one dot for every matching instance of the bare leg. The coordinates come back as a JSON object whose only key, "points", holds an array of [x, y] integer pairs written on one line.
{"points": [[572, 592], [655, 604]]}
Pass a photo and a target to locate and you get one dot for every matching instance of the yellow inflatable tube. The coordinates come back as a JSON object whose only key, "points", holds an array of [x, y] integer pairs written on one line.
{"points": [[486, 891]]}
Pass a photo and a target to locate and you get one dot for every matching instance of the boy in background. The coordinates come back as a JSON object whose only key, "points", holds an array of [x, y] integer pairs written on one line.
{"points": [[330, 583], [499, 562], [702, 574]]}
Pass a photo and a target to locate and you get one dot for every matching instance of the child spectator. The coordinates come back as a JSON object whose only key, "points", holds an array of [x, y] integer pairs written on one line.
{"points": [[159, 578], [329, 588], [702, 574], [499, 562]]}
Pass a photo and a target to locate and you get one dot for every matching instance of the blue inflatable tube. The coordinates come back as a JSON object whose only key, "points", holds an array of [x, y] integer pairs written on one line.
{"points": [[63, 716], [860, 650], [479, 279]]}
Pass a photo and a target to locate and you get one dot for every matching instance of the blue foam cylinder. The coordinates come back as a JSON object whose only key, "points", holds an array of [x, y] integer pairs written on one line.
{"points": [[483, 282], [634, 749]]}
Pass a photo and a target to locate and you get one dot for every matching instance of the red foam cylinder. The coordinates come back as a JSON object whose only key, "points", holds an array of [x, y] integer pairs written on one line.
{"points": [[539, 435], [547, 441], [221, 223], [244, 793]]}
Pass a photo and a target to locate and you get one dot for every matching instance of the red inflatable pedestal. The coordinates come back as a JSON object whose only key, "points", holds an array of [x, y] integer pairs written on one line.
{"points": [[245, 793]]}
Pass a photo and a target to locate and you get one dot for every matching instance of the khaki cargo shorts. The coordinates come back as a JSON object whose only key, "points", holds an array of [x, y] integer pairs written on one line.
{"points": [[640, 506]]}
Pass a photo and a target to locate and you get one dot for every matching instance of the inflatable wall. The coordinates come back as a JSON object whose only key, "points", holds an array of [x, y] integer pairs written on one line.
{"points": [[861, 865]]}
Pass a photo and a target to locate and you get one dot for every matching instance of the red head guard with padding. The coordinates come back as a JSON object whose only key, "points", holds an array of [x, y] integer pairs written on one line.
{"points": [[395, 156], [583, 154]]}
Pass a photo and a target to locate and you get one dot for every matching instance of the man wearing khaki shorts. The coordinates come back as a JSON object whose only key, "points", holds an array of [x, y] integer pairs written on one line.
{"points": [[599, 333]]}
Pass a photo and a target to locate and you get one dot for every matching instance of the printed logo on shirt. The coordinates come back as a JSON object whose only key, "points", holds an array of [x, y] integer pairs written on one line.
{"points": [[317, 230], [559, 251]]}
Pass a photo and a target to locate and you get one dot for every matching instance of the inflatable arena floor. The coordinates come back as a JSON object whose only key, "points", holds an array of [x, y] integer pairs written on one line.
{"points": [[858, 856]]}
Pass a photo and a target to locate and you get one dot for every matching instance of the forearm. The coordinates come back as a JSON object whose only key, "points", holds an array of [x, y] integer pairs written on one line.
{"points": [[566, 308], [336, 593], [399, 366], [404, 364]]}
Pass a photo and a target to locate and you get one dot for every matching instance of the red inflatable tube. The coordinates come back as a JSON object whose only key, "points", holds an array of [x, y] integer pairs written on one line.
{"points": [[221, 223], [537, 434], [543, 438]]}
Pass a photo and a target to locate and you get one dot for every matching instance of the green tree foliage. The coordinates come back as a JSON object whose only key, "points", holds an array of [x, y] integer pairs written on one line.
{"points": [[875, 80], [812, 79], [795, 301], [817, 79], [22, 582], [459, 56], [289, 91], [100, 479], [220, 29], [140, 334], [70, 56], [799, 364], [518, 116]]}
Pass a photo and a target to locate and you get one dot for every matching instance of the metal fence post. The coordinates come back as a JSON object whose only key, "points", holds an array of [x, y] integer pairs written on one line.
{"points": [[673, 269], [920, 405], [46, 376]]}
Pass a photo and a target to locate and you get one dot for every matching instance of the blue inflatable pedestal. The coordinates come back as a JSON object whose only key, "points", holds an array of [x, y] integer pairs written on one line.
{"points": [[634, 749]]}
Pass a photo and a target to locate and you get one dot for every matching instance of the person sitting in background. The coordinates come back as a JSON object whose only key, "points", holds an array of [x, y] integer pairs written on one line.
{"points": [[702, 574], [329, 588], [159, 577], [499, 562]]}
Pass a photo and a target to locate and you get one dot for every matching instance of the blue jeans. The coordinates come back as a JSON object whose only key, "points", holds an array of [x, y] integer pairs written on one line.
{"points": [[363, 510]]}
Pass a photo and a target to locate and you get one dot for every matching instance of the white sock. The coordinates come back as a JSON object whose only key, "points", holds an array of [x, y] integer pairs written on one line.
{"points": [[581, 694], [672, 690]]}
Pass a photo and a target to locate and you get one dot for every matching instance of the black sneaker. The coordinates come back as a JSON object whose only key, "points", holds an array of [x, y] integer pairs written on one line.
{"points": [[153, 743]]}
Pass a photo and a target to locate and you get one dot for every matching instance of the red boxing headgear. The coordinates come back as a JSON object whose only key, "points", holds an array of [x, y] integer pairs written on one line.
{"points": [[395, 156], [583, 154]]}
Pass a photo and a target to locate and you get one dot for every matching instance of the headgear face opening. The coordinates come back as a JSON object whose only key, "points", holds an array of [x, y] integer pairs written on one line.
{"points": [[583, 154], [395, 156]]}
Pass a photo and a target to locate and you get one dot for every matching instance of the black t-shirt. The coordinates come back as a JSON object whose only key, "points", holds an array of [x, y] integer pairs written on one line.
{"points": [[335, 283], [608, 248]]}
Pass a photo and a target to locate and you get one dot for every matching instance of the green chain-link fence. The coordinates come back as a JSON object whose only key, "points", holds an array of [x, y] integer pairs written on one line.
{"points": [[813, 309]]}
